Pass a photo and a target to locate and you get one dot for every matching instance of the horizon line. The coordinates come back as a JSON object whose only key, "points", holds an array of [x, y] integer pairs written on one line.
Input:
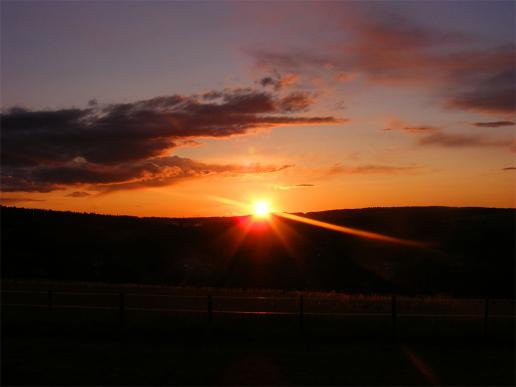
{"points": [[276, 213]]}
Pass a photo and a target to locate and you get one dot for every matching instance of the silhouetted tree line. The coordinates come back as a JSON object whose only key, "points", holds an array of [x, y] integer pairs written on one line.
{"points": [[471, 253]]}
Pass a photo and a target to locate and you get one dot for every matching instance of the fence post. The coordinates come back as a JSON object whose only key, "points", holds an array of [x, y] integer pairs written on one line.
{"points": [[301, 312], [122, 310], [394, 316], [210, 310], [50, 300], [486, 315]]}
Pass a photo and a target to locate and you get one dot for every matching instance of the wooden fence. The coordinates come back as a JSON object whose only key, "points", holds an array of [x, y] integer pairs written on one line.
{"points": [[302, 307]]}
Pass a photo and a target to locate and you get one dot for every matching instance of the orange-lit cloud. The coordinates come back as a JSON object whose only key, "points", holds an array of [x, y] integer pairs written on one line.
{"points": [[78, 194], [371, 169], [154, 172]]}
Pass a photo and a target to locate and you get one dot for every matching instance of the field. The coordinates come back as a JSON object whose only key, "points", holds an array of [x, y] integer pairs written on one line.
{"points": [[87, 334]]}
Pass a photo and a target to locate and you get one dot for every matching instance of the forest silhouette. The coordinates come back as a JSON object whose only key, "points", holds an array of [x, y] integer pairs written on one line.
{"points": [[470, 251]]}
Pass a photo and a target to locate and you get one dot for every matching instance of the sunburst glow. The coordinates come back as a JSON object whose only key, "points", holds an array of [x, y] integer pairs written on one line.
{"points": [[261, 209]]}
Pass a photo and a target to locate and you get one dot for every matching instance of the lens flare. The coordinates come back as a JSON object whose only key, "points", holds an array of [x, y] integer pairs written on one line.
{"points": [[263, 211], [352, 231]]}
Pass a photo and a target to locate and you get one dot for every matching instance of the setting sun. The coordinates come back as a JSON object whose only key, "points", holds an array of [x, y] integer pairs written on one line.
{"points": [[261, 209]]}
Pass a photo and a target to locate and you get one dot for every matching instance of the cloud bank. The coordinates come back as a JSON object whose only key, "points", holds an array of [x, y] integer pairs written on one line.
{"points": [[128, 145]]}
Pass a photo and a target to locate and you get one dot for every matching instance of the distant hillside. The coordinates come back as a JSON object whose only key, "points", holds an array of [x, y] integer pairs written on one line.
{"points": [[472, 250]]}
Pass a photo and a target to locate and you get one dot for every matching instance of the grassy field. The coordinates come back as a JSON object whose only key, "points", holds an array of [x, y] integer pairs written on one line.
{"points": [[166, 336]]}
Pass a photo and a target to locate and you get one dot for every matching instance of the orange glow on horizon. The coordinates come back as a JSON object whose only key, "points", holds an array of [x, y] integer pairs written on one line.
{"points": [[262, 210]]}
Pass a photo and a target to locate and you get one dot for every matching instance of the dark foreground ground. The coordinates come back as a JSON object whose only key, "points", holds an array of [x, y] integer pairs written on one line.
{"points": [[82, 338], [64, 358]]}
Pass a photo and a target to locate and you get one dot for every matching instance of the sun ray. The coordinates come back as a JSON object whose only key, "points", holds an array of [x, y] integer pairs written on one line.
{"points": [[352, 231]]}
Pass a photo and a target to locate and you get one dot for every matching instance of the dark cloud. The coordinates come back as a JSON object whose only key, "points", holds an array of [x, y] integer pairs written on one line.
{"points": [[136, 131], [509, 169], [268, 81], [279, 82], [125, 144], [78, 194], [493, 124]]}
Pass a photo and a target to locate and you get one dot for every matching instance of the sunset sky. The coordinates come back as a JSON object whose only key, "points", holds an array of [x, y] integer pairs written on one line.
{"points": [[170, 108]]}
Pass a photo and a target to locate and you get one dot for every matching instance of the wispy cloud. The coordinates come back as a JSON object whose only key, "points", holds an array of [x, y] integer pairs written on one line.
{"points": [[397, 52], [414, 129], [371, 169], [294, 186], [493, 124], [78, 194], [399, 125], [336, 171], [465, 140], [437, 136], [14, 200]]}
